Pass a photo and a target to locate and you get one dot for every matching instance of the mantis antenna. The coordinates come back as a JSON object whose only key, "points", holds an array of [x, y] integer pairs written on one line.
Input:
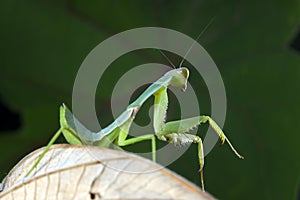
{"points": [[202, 32], [164, 55], [188, 51]]}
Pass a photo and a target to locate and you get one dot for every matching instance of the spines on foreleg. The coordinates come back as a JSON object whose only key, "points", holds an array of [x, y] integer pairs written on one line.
{"points": [[181, 139], [185, 125]]}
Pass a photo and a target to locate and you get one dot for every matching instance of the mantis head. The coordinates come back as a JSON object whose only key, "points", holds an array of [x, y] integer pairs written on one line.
{"points": [[179, 77]]}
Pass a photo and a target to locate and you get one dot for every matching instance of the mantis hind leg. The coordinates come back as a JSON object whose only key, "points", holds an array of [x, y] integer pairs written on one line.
{"points": [[53, 139]]}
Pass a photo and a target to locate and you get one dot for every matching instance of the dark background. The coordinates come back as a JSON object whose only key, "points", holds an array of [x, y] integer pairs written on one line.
{"points": [[254, 44]]}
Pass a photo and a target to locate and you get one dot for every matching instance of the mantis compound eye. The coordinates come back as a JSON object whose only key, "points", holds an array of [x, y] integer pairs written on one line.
{"points": [[185, 72]]}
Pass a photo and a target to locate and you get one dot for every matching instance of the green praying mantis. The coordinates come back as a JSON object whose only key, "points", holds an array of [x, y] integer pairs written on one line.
{"points": [[174, 132]]}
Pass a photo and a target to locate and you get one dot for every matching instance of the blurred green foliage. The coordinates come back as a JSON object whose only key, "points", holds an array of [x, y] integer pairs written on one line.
{"points": [[44, 42]]}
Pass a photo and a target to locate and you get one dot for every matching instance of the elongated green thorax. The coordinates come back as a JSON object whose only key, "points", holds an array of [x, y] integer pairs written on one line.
{"points": [[176, 78]]}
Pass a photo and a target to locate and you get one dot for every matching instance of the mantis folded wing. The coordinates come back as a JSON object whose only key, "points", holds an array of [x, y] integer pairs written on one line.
{"points": [[175, 132]]}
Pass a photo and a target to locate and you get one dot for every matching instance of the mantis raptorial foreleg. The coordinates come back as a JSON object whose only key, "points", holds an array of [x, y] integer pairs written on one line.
{"points": [[175, 132]]}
